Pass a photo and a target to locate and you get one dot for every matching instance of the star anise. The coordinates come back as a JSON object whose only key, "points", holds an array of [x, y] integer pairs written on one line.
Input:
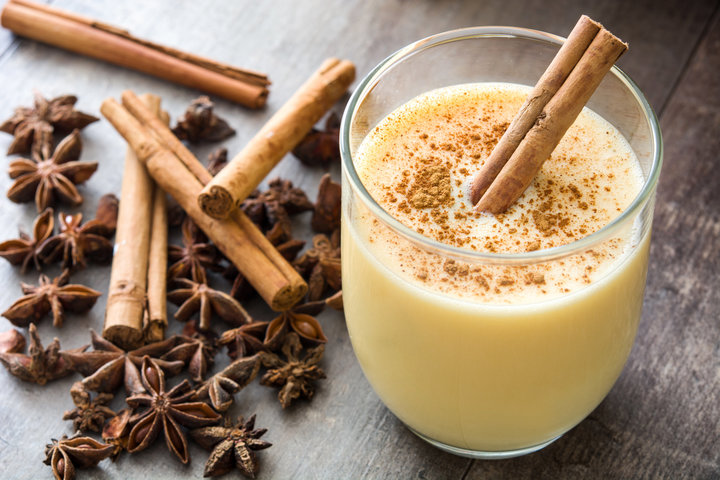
{"points": [[77, 242], [198, 296], [42, 365], [116, 431], [199, 123], [194, 255], [107, 211], [231, 446], [108, 366], [244, 340], [90, 414], [56, 297], [166, 410], [221, 387], [67, 454], [48, 178], [321, 147], [23, 250], [32, 125], [326, 216], [300, 319], [292, 375], [335, 301], [12, 341], [217, 160], [196, 349], [271, 209], [321, 265]]}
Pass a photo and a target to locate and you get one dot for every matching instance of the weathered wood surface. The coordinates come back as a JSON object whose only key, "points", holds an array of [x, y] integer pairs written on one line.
{"points": [[662, 419]]}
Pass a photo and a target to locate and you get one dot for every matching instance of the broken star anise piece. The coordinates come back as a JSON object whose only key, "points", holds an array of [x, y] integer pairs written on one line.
{"points": [[109, 366], [107, 211], [194, 255], [326, 216], [198, 296], [56, 297], [292, 375], [244, 340], [24, 250], [116, 430], [321, 147], [232, 446], [167, 411], [221, 387], [90, 414], [32, 125], [217, 161], [67, 454], [12, 341], [199, 123], [300, 320], [321, 265], [77, 243], [49, 178], [42, 365], [196, 349]]}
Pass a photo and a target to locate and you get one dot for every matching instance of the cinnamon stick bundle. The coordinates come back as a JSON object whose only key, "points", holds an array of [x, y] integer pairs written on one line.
{"points": [[281, 133], [105, 42], [128, 276], [238, 238], [557, 99]]}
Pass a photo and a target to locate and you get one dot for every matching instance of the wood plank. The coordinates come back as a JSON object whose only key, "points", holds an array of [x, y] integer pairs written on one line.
{"points": [[662, 418], [345, 432]]}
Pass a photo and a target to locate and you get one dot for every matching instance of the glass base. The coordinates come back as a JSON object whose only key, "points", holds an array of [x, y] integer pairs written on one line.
{"points": [[481, 455]]}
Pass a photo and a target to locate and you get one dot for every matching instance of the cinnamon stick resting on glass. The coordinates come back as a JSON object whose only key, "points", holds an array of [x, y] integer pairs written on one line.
{"points": [[551, 108], [128, 276], [278, 136], [238, 238], [112, 44]]}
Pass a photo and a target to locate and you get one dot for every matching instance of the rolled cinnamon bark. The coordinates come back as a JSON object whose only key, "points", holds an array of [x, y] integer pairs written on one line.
{"points": [[281, 133], [278, 287], [128, 276]]}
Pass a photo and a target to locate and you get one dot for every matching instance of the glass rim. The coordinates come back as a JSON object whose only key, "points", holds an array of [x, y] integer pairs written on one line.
{"points": [[368, 82]]}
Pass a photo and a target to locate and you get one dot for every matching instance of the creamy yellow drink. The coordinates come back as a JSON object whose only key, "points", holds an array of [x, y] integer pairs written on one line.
{"points": [[478, 354]]}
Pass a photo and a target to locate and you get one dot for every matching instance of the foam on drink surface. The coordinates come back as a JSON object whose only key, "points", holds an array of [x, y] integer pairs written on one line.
{"points": [[418, 164]]}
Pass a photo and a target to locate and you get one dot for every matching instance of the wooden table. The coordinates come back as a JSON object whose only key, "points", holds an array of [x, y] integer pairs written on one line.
{"points": [[662, 418]]}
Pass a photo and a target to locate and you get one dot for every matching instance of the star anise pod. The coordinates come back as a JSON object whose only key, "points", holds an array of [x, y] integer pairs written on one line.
{"points": [[221, 387], [109, 366], [217, 161], [199, 123], [198, 296], [166, 410], [90, 414], [56, 297], [107, 211], [300, 319], [292, 375], [12, 341], [326, 216], [335, 301], [77, 242], [321, 265], [23, 250], [32, 125], [116, 431], [196, 349], [42, 365], [48, 178], [67, 454], [321, 147], [194, 255], [244, 340], [231, 446]]}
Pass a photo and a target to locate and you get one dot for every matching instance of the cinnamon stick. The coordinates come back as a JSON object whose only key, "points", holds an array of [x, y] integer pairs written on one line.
{"points": [[128, 276], [155, 319], [550, 110], [112, 44], [280, 134], [280, 288]]}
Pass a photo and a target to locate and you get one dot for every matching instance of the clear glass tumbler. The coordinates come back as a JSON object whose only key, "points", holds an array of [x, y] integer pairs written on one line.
{"points": [[477, 379]]}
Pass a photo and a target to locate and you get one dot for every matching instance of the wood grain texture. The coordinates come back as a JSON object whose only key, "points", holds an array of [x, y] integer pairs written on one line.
{"points": [[661, 419]]}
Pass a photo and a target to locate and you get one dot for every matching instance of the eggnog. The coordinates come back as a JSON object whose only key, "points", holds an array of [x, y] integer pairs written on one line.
{"points": [[490, 352]]}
